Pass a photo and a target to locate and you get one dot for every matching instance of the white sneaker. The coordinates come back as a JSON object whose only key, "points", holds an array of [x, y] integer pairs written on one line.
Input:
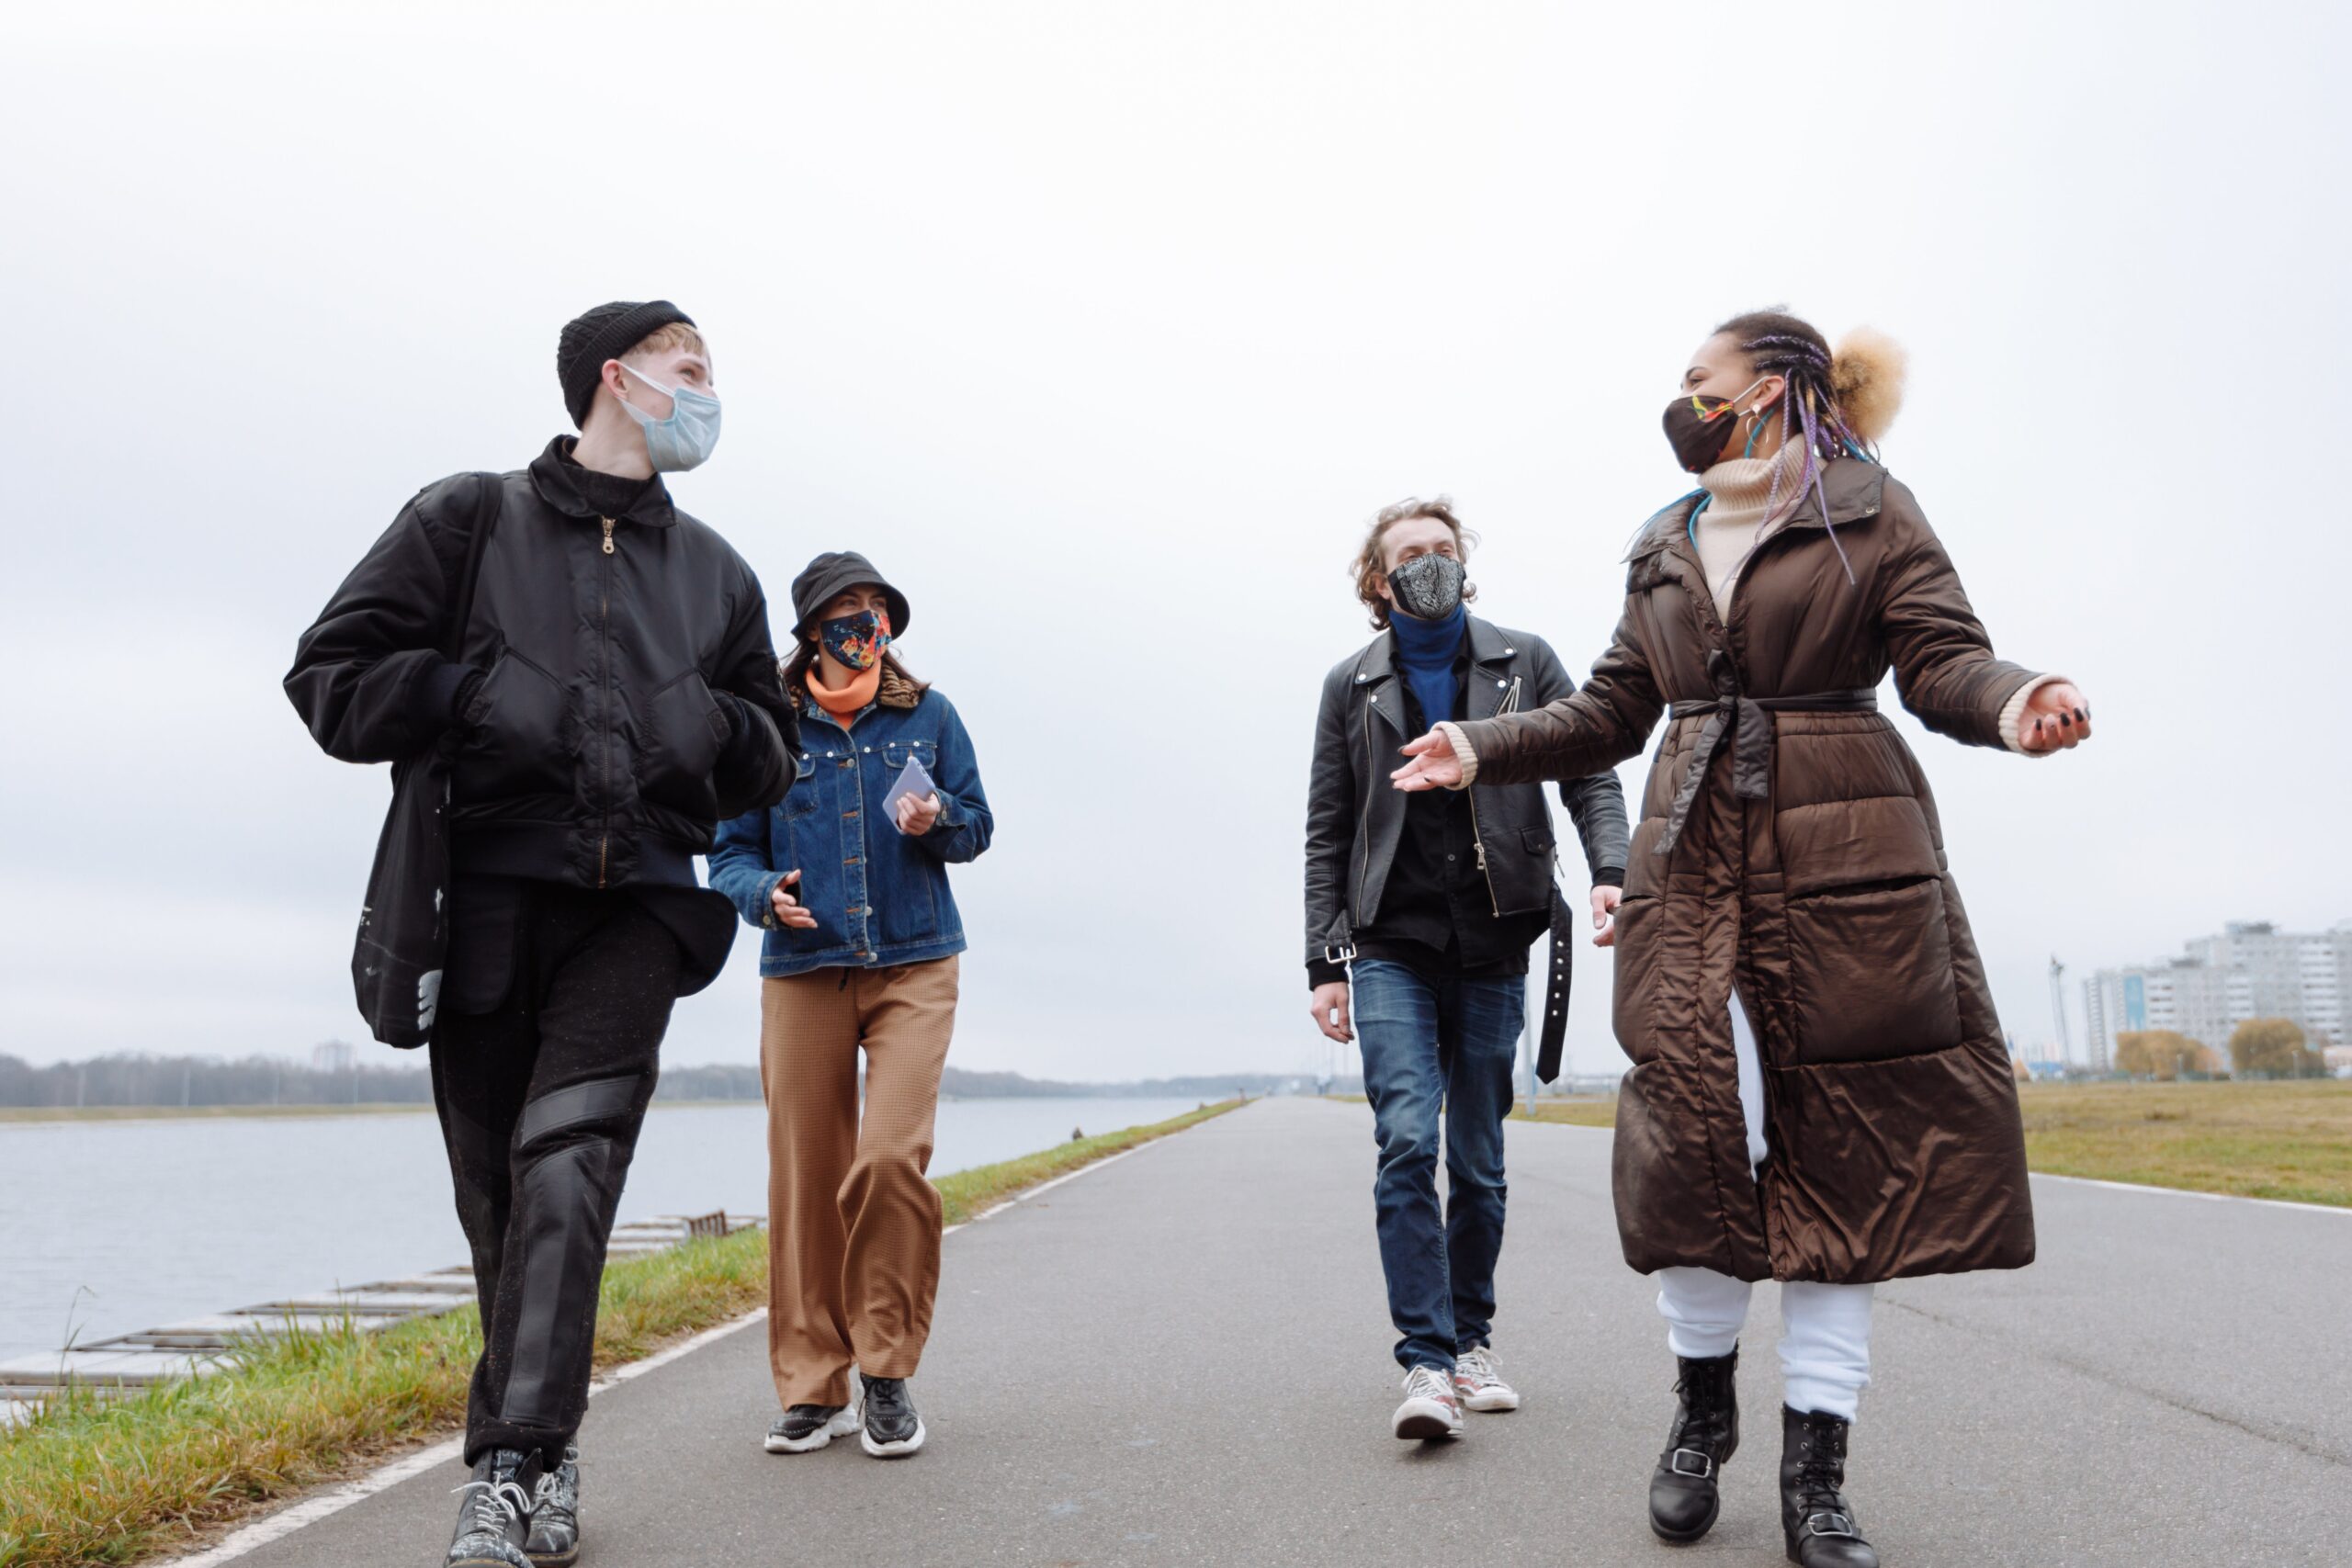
{"points": [[1478, 1385], [1431, 1409], [804, 1428]]}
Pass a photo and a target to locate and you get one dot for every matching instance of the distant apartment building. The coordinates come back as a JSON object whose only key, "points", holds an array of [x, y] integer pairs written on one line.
{"points": [[2252, 969]]}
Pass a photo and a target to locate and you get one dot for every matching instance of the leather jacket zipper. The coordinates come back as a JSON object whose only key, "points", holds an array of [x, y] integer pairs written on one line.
{"points": [[1363, 835], [1477, 834], [1478, 842]]}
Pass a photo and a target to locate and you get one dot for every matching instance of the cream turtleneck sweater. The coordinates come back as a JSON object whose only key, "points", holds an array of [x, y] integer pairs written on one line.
{"points": [[1729, 529]]}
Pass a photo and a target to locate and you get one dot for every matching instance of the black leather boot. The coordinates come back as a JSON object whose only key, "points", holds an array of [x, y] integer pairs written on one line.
{"points": [[554, 1540], [1705, 1433], [1819, 1527]]}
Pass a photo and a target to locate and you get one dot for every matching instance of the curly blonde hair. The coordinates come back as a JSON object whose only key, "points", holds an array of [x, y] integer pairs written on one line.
{"points": [[1371, 563]]}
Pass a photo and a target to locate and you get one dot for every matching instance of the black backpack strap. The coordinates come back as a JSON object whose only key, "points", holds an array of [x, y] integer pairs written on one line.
{"points": [[488, 494]]}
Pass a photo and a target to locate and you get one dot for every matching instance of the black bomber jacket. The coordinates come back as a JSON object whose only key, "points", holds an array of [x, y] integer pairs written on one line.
{"points": [[628, 701]]}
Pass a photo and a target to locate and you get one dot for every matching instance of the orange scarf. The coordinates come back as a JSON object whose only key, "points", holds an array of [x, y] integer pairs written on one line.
{"points": [[849, 701]]}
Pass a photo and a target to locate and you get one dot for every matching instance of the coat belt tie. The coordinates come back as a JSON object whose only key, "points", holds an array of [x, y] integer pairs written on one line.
{"points": [[1748, 721]]}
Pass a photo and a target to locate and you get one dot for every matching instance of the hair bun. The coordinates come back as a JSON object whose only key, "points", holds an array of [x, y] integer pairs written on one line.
{"points": [[1866, 375]]}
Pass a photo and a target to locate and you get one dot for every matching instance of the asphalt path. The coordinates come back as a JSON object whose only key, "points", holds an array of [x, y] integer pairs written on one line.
{"points": [[1182, 1357]]}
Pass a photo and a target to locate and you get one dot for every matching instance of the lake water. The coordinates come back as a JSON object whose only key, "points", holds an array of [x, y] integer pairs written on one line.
{"points": [[113, 1226]]}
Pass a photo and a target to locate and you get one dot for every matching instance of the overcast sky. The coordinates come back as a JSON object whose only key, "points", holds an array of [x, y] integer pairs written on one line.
{"points": [[1103, 329]]}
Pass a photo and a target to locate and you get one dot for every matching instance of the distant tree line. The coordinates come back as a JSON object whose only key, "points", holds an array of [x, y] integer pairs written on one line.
{"points": [[144, 1080], [139, 1079], [2260, 1048]]}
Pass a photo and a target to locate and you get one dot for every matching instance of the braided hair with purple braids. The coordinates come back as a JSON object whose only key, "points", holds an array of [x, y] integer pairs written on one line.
{"points": [[1777, 343]]}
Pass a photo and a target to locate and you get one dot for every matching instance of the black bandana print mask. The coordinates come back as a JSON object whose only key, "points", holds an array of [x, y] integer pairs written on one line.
{"points": [[1427, 588]]}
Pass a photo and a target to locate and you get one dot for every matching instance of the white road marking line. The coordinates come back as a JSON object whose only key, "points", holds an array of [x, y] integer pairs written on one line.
{"points": [[2118, 1186], [335, 1499], [2185, 1192]]}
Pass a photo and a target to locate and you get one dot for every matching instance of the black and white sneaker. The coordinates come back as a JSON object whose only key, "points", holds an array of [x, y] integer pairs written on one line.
{"points": [[804, 1428], [554, 1540], [893, 1430], [495, 1517]]}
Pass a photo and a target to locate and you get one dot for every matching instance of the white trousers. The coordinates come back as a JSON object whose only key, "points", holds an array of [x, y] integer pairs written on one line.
{"points": [[1826, 1337]]}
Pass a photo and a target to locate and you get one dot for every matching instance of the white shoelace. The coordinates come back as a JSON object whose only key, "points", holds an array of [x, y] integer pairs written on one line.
{"points": [[507, 1497], [1427, 1382], [1478, 1363]]}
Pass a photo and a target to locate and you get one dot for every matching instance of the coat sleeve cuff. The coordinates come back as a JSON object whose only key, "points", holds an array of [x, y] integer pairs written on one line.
{"points": [[2013, 714], [439, 694], [1323, 971], [1462, 751], [1610, 876]]}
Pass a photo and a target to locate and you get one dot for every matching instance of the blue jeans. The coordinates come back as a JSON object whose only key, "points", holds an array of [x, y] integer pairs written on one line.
{"points": [[1432, 1049]]}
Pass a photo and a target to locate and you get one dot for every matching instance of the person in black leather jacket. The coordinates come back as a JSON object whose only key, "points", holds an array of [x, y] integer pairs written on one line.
{"points": [[614, 698], [1419, 921]]}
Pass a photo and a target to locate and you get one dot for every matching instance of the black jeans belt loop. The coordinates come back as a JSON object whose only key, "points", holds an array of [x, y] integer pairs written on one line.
{"points": [[1748, 721]]}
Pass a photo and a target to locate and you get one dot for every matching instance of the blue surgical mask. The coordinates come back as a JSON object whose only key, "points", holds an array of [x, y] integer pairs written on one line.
{"points": [[684, 439]]}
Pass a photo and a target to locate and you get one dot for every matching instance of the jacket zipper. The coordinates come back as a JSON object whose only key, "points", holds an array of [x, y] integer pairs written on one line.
{"points": [[605, 630], [1477, 834], [1364, 862], [1478, 842]]}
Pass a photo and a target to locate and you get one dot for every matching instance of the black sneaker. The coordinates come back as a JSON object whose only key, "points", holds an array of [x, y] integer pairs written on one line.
{"points": [[893, 1430], [804, 1428], [554, 1540], [495, 1517]]}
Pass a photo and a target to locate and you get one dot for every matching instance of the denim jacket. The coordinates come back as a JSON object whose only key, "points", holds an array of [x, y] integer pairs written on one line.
{"points": [[879, 896]]}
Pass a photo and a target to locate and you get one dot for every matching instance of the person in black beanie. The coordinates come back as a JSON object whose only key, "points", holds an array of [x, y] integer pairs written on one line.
{"points": [[611, 695]]}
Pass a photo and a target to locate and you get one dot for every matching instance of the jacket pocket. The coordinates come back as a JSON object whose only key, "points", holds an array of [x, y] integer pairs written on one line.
{"points": [[514, 741], [1870, 972], [683, 731], [897, 754], [1637, 996]]}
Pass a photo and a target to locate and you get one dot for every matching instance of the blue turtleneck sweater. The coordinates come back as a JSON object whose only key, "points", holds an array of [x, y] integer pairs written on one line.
{"points": [[1427, 652]]}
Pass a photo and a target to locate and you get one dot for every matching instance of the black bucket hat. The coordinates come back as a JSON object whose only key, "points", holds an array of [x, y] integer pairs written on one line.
{"points": [[833, 573]]}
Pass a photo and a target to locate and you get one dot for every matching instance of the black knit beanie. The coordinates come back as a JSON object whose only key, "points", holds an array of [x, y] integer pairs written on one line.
{"points": [[605, 333]]}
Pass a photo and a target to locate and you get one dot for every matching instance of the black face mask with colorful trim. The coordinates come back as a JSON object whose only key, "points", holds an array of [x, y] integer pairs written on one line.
{"points": [[1697, 426]]}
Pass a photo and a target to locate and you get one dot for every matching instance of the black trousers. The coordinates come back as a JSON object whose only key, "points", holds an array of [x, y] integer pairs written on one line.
{"points": [[541, 1094]]}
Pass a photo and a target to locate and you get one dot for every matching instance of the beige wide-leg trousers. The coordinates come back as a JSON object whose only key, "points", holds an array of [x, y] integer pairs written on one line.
{"points": [[853, 1220]]}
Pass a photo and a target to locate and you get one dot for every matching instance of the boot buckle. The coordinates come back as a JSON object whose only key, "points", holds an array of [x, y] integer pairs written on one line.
{"points": [[1706, 1464], [1828, 1524]]}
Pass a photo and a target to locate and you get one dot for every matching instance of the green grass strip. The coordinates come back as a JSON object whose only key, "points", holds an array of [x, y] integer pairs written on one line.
{"points": [[96, 1480], [2289, 1140]]}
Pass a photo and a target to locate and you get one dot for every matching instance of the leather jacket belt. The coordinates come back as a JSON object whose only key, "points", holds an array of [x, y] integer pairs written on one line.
{"points": [[1555, 988], [1748, 721]]}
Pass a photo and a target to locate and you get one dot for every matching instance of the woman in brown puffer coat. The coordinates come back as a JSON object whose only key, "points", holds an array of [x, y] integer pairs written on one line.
{"points": [[1820, 1094]]}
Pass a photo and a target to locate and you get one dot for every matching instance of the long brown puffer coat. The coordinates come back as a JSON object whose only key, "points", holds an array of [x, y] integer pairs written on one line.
{"points": [[1808, 869]]}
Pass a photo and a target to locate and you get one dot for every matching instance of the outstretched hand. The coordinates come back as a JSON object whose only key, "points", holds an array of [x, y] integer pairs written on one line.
{"points": [[1434, 765], [2056, 718]]}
